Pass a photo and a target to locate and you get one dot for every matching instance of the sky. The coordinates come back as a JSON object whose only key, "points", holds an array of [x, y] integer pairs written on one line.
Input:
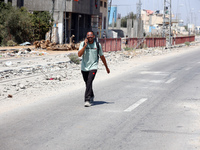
{"points": [[187, 10]]}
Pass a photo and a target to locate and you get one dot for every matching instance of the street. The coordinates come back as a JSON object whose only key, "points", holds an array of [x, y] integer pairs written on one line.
{"points": [[154, 107]]}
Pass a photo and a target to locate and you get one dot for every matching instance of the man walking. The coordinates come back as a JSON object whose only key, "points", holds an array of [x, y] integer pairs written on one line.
{"points": [[90, 51]]}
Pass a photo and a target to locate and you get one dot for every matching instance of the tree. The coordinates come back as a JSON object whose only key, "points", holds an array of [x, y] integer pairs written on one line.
{"points": [[15, 24], [131, 15], [18, 25], [42, 21]]}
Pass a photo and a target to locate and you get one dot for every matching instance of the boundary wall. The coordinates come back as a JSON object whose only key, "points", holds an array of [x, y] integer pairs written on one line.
{"points": [[115, 44]]}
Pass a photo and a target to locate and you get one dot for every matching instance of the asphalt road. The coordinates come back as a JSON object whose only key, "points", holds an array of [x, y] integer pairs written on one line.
{"points": [[153, 107]]}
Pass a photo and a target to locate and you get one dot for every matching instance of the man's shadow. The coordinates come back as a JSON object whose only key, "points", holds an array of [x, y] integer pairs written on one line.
{"points": [[101, 103]]}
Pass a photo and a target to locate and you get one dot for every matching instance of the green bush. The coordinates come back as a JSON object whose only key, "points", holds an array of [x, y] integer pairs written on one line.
{"points": [[42, 22], [18, 25], [74, 58], [187, 43], [127, 48], [15, 24], [11, 43], [131, 15]]}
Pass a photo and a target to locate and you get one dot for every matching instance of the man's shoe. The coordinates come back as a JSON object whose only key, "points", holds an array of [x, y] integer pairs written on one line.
{"points": [[87, 104]]}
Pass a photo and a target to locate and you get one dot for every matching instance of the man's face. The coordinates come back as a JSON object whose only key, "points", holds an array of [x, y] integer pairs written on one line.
{"points": [[90, 37]]}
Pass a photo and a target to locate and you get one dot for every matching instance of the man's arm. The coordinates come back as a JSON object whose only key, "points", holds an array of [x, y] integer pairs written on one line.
{"points": [[103, 59], [80, 53]]}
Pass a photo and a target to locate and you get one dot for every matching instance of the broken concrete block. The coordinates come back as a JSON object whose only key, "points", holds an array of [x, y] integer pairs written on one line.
{"points": [[8, 63], [21, 86], [17, 89]]}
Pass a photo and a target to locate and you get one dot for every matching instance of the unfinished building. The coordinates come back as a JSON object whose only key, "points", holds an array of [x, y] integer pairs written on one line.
{"points": [[71, 17]]}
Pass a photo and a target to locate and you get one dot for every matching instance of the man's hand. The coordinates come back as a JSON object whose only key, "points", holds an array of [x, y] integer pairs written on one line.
{"points": [[86, 42], [80, 52], [108, 70], [105, 64]]}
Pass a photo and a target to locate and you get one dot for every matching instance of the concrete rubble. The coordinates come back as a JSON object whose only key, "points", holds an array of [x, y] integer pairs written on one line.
{"points": [[57, 47], [22, 73], [22, 52]]}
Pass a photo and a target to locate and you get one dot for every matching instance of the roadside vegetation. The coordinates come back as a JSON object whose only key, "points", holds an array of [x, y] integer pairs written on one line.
{"points": [[74, 58], [187, 43], [17, 25], [124, 19]]}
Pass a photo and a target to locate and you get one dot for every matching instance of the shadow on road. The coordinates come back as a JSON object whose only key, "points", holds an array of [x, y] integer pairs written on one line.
{"points": [[101, 103]]}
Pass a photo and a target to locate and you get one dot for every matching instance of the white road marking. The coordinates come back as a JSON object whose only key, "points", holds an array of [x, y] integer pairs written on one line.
{"points": [[154, 72], [138, 103], [170, 80], [152, 81], [156, 81]]}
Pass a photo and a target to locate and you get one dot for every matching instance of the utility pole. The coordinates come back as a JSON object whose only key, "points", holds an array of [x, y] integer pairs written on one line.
{"points": [[170, 23], [139, 5], [167, 24], [139, 25], [164, 19]]}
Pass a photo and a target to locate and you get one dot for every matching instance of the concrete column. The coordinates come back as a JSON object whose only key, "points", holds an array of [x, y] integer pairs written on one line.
{"points": [[5, 1], [60, 27], [140, 29], [129, 27], [135, 28], [118, 23], [113, 23], [69, 24], [78, 29]]}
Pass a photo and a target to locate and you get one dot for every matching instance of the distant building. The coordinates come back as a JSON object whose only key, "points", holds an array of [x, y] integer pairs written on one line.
{"points": [[103, 14], [112, 12], [198, 29], [181, 23], [152, 20], [191, 28]]}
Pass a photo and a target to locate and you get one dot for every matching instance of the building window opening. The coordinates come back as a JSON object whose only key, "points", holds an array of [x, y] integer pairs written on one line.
{"points": [[105, 5], [20, 3], [101, 3]]}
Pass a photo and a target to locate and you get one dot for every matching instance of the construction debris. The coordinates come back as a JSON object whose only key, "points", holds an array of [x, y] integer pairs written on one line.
{"points": [[57, 47], [43, 44], [10, 96]]}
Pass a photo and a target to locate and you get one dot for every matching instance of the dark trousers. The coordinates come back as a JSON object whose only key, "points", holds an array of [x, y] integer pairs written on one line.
{"points": [[88, 77]]}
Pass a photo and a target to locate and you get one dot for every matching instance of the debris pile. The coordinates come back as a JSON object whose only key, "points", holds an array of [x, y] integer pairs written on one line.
{"points": [[57, 47], [43, 44], [22, 52], [18, 75]]}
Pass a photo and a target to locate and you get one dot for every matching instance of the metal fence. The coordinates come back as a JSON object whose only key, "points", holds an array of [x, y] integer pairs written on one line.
{"points": [[155, 42], [181, 40], [115, 44], [111, 44]]}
